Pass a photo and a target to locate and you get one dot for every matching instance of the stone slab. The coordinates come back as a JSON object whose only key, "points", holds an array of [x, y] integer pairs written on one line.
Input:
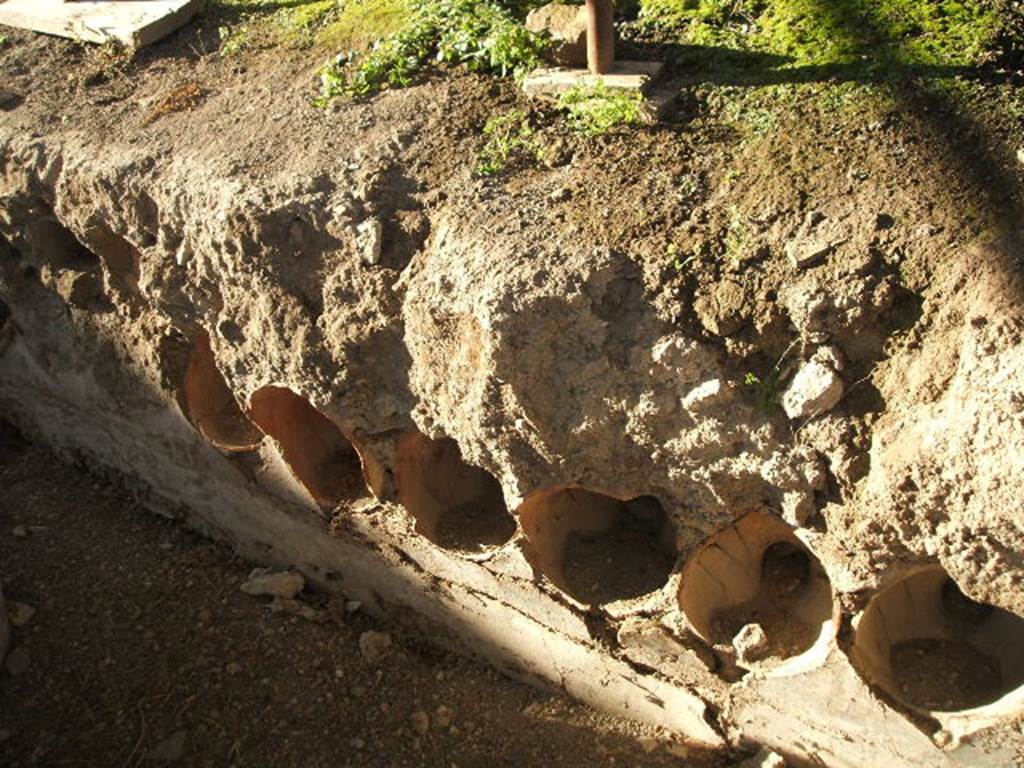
{"points": [[133, 23], [626, 76]]}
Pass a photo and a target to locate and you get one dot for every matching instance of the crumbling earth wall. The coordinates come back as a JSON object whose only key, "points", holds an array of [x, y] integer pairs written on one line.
{"points": [[477, 424]]}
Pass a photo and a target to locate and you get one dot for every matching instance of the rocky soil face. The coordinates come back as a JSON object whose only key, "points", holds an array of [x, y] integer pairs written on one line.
{"points": [[489, 408]]}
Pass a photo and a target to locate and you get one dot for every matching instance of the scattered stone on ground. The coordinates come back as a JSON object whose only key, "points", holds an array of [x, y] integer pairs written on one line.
{"points": [[298, 608], [279, 584], [374, 646], [175, 666], [170, 750], [17, 662], [20, 614], [420, 722]]}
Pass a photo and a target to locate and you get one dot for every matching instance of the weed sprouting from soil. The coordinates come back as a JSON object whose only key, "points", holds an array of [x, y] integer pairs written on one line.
{"points": [[767, 392], [510, 137], [598, 109], [480, 34]]}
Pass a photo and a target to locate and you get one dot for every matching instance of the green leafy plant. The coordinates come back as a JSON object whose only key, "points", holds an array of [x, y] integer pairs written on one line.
{"points": [[733, 175], [509, 137], [480, 34], [767, 392], [597, 109]]}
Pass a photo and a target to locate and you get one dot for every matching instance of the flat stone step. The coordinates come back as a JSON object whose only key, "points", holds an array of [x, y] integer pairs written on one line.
{"points": [[133, 23], [626, 76]]}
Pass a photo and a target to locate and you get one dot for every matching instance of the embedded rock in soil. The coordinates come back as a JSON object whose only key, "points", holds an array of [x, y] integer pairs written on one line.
{"points": [[764, 759], [815, 389], [370, 234], [722, 309], [751, 643], [567, 26], [804, 253]]}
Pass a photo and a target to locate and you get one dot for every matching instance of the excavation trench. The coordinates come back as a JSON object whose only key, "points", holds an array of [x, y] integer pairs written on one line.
{"points": [[559, 509]]}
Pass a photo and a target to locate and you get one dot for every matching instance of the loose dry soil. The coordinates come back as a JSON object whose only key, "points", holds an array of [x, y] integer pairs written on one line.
{"points": [[141, 642]]}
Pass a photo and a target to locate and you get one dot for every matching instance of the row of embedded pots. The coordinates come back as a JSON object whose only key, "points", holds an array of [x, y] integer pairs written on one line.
{"points": [[753, 588]]}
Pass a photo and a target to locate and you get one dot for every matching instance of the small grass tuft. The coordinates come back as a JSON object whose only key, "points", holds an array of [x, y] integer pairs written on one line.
{"points": [[598, 109], [510, 137]]}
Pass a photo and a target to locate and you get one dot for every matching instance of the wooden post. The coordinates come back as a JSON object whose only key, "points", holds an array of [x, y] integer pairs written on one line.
{"points": [[600, 36]]}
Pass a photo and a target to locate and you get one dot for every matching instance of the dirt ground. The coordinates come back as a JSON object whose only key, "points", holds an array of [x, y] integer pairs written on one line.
{"points": [[142, 650]]}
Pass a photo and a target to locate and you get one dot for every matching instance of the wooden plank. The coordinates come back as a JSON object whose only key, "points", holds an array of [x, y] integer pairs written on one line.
{"points": [[133, 23]]}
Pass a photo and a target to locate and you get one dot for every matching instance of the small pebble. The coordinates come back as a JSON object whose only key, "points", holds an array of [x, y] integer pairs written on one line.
{"points": [[374, 645], [20, 613], [17, 662], [420, 722]]}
